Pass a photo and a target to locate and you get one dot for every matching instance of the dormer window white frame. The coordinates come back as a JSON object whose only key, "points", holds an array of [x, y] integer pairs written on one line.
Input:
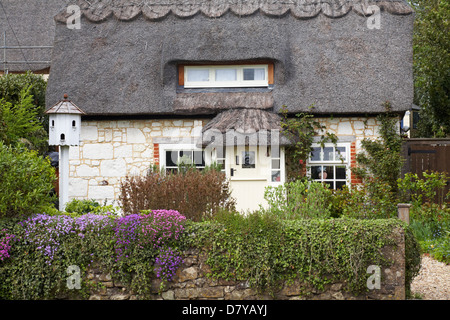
{"points": [[227, 76]]}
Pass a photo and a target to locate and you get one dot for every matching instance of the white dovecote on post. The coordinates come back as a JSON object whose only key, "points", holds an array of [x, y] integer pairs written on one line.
{"points": [[64, 131]]}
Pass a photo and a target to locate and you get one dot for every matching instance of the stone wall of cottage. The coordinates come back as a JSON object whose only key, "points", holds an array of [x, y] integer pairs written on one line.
{"points": [[113, 149]]}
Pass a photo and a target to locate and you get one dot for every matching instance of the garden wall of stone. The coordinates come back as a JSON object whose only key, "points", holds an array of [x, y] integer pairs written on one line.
{"points": [[191, 283]]}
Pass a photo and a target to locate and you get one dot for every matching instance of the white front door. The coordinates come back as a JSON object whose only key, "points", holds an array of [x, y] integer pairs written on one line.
{"points": [[250, 170]]}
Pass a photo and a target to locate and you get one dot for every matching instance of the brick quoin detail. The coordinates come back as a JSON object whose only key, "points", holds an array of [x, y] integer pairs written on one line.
{"points": [[354, 178], [156, 153]]}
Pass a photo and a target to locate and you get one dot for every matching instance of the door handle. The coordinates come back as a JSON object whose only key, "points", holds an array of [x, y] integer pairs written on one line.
{"points": [[232, 171]]}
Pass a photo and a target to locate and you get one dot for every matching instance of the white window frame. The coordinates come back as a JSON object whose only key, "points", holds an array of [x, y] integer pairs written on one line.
{"points": [[163, 148], [335, 162], [281, 169], [239, 83]]}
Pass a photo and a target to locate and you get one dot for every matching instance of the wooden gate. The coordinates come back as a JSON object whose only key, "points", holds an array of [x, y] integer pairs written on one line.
{"points": [[423, 155]]}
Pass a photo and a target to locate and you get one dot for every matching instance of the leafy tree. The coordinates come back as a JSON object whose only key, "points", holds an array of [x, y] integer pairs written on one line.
{"points": [[19, 122], [26, 180], [12, 85], [431, 46]]}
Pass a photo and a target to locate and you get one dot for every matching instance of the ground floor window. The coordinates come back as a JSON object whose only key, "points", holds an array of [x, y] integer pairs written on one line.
{"points": [[175, 155], [330, 164]]}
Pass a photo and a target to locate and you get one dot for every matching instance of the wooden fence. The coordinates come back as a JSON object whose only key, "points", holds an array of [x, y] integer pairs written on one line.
{"points": [[423, 155]]}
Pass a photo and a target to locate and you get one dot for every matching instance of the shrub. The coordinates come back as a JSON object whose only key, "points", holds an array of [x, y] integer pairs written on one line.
{"points": [[299, 200], [26, 180], [77, 207], [371, 200], [197, 194]]}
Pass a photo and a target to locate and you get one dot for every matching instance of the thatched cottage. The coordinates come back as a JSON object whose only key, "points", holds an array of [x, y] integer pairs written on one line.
{"points": [[206, 79]]}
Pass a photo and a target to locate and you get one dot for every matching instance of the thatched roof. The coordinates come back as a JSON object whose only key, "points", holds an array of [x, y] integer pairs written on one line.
{"points": [[156, 9], [243, 126], [244, 121], [128, 66], [213, 102], [27, 24]]}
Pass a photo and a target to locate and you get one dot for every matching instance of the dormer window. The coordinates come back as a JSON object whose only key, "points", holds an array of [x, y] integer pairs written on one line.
{"points": [[226, 76]]}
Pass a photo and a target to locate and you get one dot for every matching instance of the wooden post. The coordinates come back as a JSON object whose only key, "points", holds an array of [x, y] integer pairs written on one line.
{"points": [[403, 211]]}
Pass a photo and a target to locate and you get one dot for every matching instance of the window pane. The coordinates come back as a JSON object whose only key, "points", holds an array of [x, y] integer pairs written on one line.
{"points": [[327, 173], [275, 164], [221, 163], [248, 159], [198, 75], [249, 74], [199, 158], [185, 157], [341, 172], [220, 152], [328, 154], [171, 158], [254, 74], [340, 184], [226, 75], [260, 74], [276, 176], [340, 154], [315, 154], [315, 171]]}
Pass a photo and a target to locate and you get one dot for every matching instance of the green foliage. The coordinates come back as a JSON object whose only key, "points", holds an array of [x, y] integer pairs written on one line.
{"points": [[429, 214], [77, 207], [258, 248], [299, 200], [372, 200], [26, 180], [431, 43], [12, 85], [301, 131], [430, 188], [265, 251], [20, 123], [381, 159]]}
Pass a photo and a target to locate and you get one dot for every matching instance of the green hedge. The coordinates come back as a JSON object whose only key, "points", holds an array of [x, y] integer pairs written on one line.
{"points": [[266, 251]]}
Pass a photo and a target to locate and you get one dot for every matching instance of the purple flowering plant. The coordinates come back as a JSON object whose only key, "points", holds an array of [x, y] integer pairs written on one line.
{"points": [[5, 244], [146, 237], [137, 246], [167, 263]]}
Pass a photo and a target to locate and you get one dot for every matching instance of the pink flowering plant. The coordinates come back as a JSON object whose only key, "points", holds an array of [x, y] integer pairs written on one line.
{"points": [[5, 244]]}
